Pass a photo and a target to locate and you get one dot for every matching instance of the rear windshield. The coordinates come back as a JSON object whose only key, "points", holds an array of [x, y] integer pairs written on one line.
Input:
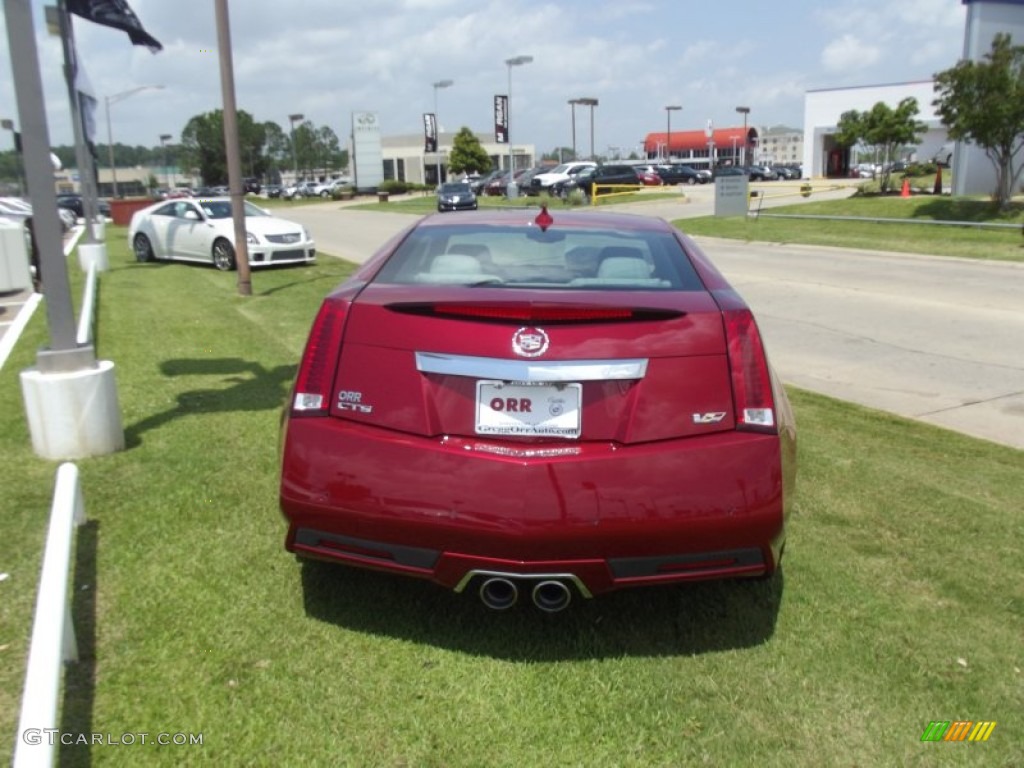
{"points": [[526, 257]]}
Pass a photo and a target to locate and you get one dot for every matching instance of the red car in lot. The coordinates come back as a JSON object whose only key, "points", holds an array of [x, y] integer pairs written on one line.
{"points": [[556, 405]]}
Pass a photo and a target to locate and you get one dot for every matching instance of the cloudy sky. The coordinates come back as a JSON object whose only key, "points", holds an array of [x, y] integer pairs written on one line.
{"points": [[328, 58]]}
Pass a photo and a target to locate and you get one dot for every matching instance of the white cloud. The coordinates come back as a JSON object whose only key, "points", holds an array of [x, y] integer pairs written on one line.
{"points": [[849, 54]]}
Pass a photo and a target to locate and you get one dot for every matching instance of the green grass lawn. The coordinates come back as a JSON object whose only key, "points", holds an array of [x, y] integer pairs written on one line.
{"points": [[902, 599], [941, 240]]}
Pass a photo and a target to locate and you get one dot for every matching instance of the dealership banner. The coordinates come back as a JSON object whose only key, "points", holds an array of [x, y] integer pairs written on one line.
{"points": [[501, 119], [429, 132]]}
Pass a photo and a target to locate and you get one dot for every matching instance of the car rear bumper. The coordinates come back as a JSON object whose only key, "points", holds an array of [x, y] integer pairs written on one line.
{"points": [[601, 514]]}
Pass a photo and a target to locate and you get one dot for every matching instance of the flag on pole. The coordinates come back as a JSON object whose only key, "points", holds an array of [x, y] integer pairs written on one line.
{"points": [[116, 14], [87, 104], [429, 132]]}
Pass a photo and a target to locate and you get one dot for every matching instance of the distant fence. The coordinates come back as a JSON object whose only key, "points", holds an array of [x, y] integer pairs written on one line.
{"points": [[53, 634]]}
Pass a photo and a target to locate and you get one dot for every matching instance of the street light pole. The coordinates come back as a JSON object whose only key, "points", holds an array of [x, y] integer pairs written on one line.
{"points": [[744, 111], [511, 191], [572, 107], [107, 101], [295, 155], [164, 138], [437, 127], [668, 131]]}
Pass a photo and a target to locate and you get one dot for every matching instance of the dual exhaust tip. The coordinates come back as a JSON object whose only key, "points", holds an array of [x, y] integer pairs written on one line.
{"points": [[499, 594]]}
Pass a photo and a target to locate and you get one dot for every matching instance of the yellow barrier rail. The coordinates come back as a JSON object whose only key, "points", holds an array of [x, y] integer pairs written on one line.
{"points": [[799, 188], [629, 189]]}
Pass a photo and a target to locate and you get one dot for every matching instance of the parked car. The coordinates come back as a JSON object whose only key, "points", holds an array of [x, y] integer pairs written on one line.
{"points": [[477, 184], [649, 177], [761, 173], [456, 196], [525, 181], [556, 405], [729, 170], [542, 182], [679, 174], [273, 190], [75, 203], [203, 230], [603, 178]]}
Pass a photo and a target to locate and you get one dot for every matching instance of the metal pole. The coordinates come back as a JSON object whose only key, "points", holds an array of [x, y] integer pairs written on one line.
{"points": [[110, 146], [668, 131], [572, 106], [227, 83], [295, 155], [744, 111], [437, 126], [164, 138], [82, 155], [64, 353], [593, 103], [511, 191], [108, 100]]}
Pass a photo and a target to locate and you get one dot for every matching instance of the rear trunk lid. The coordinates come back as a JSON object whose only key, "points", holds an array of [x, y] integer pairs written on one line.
{"points": [[511, 365]]}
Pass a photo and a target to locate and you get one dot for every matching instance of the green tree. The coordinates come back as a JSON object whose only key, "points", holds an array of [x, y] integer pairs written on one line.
{"points": [[983, 102], [467, 155], [202, 145], [882, 128]]}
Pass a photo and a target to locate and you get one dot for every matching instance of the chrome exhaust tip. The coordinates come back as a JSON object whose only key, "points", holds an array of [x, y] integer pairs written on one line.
{"points": [[499, 594], [551, 596]]}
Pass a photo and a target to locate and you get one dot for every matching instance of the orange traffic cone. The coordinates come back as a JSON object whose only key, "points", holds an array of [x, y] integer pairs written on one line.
{"points": [[905, 192]]}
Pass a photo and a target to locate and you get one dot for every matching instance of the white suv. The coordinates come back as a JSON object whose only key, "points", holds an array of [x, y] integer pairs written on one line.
{"points": [[559, 173]]}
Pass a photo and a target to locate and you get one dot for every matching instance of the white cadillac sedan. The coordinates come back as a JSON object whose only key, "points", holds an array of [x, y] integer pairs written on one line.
{"points": [[201, 229]]}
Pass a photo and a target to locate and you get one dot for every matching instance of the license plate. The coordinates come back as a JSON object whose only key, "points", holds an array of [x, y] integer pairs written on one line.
{"points": [[530, 410]]}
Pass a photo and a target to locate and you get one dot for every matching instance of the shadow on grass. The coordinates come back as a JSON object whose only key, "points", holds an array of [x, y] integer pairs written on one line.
{"points": [[675, 620], [249, 387], [955, 209], [80, 677]]}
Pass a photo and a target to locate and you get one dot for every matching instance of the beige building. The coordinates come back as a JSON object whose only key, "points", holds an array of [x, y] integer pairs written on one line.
{"points": [[405, 160], [779, 145]]}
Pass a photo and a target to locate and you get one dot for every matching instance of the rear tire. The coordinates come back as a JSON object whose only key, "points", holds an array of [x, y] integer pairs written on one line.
{"points": [[223, 255], [143, 248]]}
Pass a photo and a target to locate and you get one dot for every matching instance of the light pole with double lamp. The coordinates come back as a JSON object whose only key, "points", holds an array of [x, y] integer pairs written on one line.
{"points": [[164, 138], [437, 126], [744, 111], [668, 131], [511, 190], [107, 101], [295, 155], [589, 102]]}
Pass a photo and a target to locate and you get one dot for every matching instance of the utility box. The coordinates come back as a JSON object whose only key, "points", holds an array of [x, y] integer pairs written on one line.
{"points": [[15, 274]]}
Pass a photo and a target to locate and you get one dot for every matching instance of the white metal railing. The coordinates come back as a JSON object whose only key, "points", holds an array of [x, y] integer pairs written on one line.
{"points": [[53, 634], [85, 319]]}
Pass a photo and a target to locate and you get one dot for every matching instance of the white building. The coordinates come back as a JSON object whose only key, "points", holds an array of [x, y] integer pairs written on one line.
{"points": [[974, 171], [975, 174], [823, 108]]}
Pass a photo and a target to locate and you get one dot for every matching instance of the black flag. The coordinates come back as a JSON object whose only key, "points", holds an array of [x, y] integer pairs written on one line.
{"points": [[116, 14]]}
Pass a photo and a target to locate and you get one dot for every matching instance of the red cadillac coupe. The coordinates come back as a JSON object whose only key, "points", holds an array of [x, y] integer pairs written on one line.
{"points": [[540, 404]]}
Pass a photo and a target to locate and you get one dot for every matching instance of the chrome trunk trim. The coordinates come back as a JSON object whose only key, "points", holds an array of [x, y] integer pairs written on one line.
{"points": [[530, 370]]}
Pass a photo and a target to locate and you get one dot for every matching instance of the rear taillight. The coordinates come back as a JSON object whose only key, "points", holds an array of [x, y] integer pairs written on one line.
{"points": [[315, 379], [748, 366]]}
